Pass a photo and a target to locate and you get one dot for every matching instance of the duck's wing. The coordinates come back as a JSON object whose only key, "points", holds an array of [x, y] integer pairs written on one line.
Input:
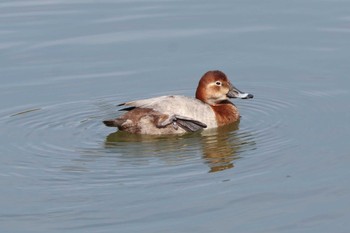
{"points": [[188, 124], [188, 113]]}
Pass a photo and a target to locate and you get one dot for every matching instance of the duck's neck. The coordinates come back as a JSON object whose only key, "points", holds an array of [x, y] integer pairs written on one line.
{"points": [[225, 113]]}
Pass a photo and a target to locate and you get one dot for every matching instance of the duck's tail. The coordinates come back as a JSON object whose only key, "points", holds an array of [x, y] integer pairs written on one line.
{"points": [[113, 122]]}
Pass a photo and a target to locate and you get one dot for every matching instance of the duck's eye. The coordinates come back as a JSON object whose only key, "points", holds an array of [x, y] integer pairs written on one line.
{"points": [[218, 83]]}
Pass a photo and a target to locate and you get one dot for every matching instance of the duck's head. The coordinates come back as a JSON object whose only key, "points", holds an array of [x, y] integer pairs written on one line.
{"points": [[214, 88]]}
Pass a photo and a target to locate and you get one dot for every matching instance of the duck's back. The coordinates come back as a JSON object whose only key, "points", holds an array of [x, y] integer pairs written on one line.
{"points": [[178, 105]]}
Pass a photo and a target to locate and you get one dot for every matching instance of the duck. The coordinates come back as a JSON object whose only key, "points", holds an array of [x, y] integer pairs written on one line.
{"points": [[176, 114]]}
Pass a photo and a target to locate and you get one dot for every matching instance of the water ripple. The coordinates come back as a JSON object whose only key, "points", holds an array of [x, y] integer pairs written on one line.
{"points": [[70, 137]]}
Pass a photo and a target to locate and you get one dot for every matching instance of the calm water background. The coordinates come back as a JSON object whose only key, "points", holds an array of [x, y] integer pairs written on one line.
{"points": [[65, 64]]}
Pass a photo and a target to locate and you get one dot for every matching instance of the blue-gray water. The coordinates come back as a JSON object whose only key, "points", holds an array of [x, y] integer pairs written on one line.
{"points": [[65, 64]]}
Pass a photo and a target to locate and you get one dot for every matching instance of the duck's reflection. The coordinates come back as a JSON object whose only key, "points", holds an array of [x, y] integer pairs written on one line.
{"points": [[219, 147]]}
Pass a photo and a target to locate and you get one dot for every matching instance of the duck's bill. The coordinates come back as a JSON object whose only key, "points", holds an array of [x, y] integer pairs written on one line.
{"points": [[235, 93]]}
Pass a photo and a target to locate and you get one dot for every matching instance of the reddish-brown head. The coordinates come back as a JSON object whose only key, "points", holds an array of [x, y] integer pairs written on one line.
{"points": [[215, 88]]}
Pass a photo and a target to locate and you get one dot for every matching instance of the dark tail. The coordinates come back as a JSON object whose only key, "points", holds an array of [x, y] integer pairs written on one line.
{"points": [[111, 123]]}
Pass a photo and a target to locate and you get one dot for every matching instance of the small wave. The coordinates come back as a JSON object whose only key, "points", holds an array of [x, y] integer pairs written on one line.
{"points": [[74, 131]]}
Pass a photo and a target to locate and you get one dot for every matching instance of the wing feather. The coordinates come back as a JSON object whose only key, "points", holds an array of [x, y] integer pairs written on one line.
{"points": [[178, 105]]}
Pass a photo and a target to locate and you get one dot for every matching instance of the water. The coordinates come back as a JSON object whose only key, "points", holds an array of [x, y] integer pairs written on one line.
{"points": [[64, 65]]}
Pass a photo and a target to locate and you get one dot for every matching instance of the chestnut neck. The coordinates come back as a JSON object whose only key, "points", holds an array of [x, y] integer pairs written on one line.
{"points": [[225, 113], [200, 92]]}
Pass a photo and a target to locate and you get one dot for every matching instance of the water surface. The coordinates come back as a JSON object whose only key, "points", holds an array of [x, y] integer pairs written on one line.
{"points": [[65, 65]]}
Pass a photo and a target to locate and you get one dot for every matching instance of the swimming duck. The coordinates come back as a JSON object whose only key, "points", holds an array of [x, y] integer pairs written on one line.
{"points": [[176, 114]]}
